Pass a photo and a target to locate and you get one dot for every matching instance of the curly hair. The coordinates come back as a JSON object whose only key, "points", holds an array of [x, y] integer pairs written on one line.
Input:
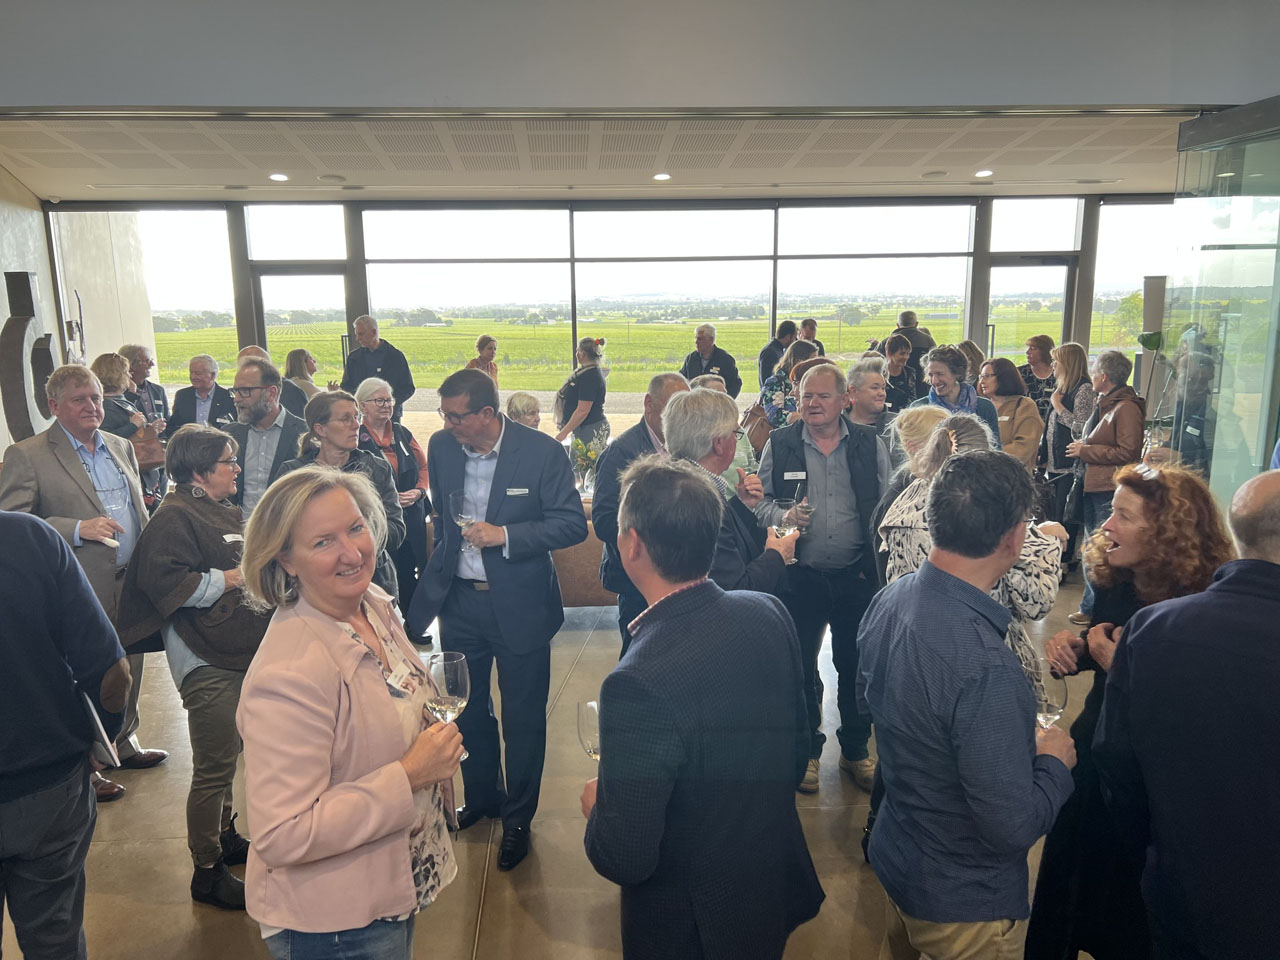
{"points": [[1186, 537]]}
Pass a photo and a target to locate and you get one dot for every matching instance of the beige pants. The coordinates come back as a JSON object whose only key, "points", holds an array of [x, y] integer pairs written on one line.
{"points": [[906, 938]]}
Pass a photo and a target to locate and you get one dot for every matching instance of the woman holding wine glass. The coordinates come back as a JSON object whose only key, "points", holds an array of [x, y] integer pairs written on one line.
{"points": [[348, 777], [1165, 538]]}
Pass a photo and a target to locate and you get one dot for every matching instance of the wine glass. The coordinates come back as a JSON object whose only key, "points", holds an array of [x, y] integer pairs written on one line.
{"points": [[786, 524], [589, 728], [803, 506], [462, 517], [1051, 695], [451, 685]]}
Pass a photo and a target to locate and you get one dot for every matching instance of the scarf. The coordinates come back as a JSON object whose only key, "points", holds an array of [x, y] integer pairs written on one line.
{"points": [[966, 402]]}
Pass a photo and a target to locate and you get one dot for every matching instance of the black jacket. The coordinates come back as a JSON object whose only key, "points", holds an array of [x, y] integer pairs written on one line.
{"points": [[741, 562], [721, 363], [630, 446], [159, 399], [291, 431], [768, 359], [222, 410], [394, 368]]}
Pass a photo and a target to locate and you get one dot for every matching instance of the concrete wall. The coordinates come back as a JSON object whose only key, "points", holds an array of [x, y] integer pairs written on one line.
{"points": [[23, 247], [615, 54]]}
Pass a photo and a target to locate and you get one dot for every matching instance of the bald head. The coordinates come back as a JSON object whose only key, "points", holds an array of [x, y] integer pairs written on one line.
{"points": [[1255, 518], [661, 389], [253, 350]]}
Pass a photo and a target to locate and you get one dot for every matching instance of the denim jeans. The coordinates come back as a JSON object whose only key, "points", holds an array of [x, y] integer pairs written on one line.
{"points": [[380, 940], [1096, 507]]}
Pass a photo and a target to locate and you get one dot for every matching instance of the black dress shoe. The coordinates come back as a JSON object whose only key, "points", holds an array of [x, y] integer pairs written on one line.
{"points": [[145, 759], [469, 816], [218, 886], [513, 848], [235, 848]]}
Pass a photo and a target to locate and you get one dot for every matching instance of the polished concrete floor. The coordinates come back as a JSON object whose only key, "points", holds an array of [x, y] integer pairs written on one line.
{"points": [[552, 907]]}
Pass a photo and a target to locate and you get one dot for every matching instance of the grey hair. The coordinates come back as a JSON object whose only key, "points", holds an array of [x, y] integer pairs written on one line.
{"points": [[368, 385], [864, 368], [711, 327], [196, 448], [207, 360], [675, 510], [1115, 365], [664, 383], [521, 404], [69, 375], [826, 369], [709, 381], [134, 352], [364, 320], [693, 421]]}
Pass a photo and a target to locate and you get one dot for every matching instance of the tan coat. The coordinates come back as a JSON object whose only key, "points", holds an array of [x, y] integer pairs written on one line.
{"points": [[1115, 441], [1020, 429], [44, 476]]}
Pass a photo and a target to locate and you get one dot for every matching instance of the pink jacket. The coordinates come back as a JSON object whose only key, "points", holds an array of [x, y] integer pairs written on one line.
{"points": [[329, 803]]}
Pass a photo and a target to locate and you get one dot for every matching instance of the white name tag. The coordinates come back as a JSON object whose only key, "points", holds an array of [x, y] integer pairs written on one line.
{"points": [[1006, 418], [517, 491], [888, 405], [232, 538], [402, 678], [794, 475], [1193, 431]]}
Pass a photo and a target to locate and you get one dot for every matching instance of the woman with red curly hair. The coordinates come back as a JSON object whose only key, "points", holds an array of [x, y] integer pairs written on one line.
{"points": [[1165, 538]]}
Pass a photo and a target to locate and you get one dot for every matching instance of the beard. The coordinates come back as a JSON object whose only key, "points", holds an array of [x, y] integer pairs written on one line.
{"points": [[252, 414]]}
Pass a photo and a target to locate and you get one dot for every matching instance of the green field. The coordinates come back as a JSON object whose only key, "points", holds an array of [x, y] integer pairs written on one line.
{"points": [[537, 357]]}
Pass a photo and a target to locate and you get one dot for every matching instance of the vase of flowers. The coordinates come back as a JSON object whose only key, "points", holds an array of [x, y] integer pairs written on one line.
{"points": [[585, 458]]}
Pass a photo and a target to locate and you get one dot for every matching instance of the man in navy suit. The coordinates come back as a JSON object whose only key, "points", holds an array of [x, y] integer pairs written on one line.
{"points": [[499, 600], [703, 737], [644, 438], [205, 401]]}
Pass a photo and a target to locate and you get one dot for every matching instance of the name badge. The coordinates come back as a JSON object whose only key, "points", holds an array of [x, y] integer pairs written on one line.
{"points": [[232, 538], [402, 678], [714, 370], [794, 475], [888, 405], [517, 491], [1005, 418], [1193, 431]]}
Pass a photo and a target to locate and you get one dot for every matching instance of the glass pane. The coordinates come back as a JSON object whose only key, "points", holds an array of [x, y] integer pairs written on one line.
{"points": [[1025, 302], [187, 262], [933, 229], [465, 234], [1134, 241], [296, 231], [859, 300], [306, 312], [673, 233], [1034, 224]]}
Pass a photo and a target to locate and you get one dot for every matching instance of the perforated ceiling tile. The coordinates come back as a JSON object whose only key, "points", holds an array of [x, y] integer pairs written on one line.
{"points": [[628, 161], [1124, 137], [65, 161], [1149, 156], [789, 123], [810, 160], [916, 141], [558, 142], [986, 140], [105, 141], [701, 124], [1054, 138], [1020, 157], [398, 126], [775, 141], [165, 140], [936, 123], [958, 157], [557, 126], [258, 142], [81, 125], [30, 140], [630, 142], [320, 126], [420, 162], [349, 161], [1085, 157], [861, 123], [465, 126], [136, 161], [558, 161], [334, 143], [758, 161], [847, 141], [702, 142], [409, 142], [280, 161], [891, 158], [634, 126], [209, 161], [240, 126], [694, 161], [485, 143], [172, 126], [479, 162]]}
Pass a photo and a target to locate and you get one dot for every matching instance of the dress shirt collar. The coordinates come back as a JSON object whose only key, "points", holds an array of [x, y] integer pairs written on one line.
{"points": [[808, 437], [277, 422], [631, 628], [472, 454], [720, 482], [77, 446], [658, 446], [947, 586]]}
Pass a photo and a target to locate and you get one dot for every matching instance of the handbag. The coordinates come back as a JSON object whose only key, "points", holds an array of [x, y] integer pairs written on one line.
{"points": [[756, 426], [147, 448]]}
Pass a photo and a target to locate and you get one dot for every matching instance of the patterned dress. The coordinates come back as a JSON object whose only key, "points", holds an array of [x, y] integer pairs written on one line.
{"points": [[778, 399]]}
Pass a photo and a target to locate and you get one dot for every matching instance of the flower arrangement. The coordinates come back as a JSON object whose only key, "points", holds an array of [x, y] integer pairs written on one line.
{"points": [[585, 458]]}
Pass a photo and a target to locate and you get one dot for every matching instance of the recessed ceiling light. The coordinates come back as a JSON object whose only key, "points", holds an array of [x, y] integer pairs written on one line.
{"points": [[1223, 176], [278, 177], [331, 178], [985, 173], [662, 176], [933, 175], [1250, 176]]}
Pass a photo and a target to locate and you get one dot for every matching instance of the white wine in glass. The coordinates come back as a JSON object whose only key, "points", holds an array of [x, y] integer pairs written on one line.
{"points": [[462, 516], [589, 728], [786, 524], [451, 683], [1051, 697]]}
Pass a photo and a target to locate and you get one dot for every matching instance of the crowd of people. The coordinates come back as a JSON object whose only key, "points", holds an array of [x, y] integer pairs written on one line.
{"points": [[921, 508]]}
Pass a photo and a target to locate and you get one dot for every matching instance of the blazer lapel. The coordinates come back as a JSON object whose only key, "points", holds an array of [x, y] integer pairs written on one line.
{"points": [[71, 462]]}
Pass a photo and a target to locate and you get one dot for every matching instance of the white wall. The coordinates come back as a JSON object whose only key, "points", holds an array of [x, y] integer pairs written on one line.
{"points": [[615, 54], [23, 247]]}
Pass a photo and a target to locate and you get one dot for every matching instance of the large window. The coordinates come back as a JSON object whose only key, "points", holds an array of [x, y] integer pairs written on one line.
{"points": [[673, 233], [466, 234], [1134, 241], [1036, 223], [296, 231], [833, 230]]}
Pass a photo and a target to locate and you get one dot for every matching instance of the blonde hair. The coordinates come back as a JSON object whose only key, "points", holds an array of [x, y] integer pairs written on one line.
{"points": [[957, 433], [295, 364], [269, 532], [68, 375], [521, 404], [112, 371], [1073, 366], [974, 355], [912, 427]]}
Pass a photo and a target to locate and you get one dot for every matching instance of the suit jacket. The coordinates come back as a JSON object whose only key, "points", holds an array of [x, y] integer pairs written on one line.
{"points": [[629, 447], [293, 398], [184, 409], [721, 363], [159, 399], [43, 475], [768, 359], [394, 369], [702, 745], [533, 496], [741, 562], [291, 432]]}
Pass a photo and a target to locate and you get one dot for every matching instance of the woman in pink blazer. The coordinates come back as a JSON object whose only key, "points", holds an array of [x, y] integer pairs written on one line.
{"points": [[348, 781]]}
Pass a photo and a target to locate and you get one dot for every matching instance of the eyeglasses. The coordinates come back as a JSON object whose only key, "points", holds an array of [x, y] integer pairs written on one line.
{"points": [[454, 418], [381, 401], [245, 392], [233, 461], [987, 376], [348, 420], [739, 433]]}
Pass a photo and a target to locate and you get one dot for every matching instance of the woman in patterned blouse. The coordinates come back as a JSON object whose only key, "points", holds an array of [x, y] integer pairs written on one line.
{"points": [[777, 396]]}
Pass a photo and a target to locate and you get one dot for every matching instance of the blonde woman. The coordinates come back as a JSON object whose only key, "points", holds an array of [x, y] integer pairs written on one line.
{"points": [[348, 782], [524, 408], [300, 366], [119, 416], [974, 355], [909, 432], [486, 349], [580, 402], [1072, 403]]}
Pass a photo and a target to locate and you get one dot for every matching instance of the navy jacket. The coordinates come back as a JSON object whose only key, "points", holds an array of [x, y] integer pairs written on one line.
{"points": [[221, 411], [1194, 696], [768, 359], [291, 431], [159, 399], [722, 363], [629, 447], [55, 638], [533, 496], [393, 368], [703, 736]]}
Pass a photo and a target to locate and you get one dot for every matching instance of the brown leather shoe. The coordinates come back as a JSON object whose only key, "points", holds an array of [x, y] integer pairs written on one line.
{"points": [[106, 790], [145, 759]]}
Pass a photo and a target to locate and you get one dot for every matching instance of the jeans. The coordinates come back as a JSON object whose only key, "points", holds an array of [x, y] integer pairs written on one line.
{"points": [[380, 940], [1097, 507], [44, 838], [210, 696]]}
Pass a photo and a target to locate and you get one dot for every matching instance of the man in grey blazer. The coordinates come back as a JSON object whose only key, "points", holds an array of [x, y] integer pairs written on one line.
{"points": [[85, 484], [267, 433]]}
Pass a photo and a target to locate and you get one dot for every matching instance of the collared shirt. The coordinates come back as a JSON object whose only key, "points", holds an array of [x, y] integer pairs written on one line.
{"points": [[182, 659], [631, 627], [477, 484], [965, 792], [111, 484], [145, 401], [203, 406], [259, 454], [659, 447], [721, 484]]}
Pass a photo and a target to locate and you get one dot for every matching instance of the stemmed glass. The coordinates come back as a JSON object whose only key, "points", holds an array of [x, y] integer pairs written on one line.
{"points": [[1051, 695], [786, 524], [451, 685], [462, 517], [803, 506], [589, 728]]}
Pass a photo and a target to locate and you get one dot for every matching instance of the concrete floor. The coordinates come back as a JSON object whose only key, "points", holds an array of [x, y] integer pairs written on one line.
{"points": [[552, 907]]}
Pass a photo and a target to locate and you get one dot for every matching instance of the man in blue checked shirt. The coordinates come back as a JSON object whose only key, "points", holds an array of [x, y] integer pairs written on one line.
{"points": [[970, 782]]}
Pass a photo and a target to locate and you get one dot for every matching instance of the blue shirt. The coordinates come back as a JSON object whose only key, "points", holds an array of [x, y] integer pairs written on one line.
{"points": [[478, 471], [111, 485], [203, 405], [182, 659], [257, 458], [965, 794]]}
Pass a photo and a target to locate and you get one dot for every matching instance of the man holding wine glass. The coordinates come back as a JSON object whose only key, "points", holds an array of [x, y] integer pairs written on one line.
{"points": [[510, 499], [844, 469]]}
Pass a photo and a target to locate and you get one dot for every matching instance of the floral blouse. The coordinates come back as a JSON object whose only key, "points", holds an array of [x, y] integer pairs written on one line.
{"points": [[778, 398]]}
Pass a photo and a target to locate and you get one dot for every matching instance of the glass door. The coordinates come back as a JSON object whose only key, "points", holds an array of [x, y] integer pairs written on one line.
{"points": [[1026, 301], [304, 310]]}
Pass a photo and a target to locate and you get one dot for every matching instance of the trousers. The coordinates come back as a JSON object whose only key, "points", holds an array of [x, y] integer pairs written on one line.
{"points": [[210, 696]]}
